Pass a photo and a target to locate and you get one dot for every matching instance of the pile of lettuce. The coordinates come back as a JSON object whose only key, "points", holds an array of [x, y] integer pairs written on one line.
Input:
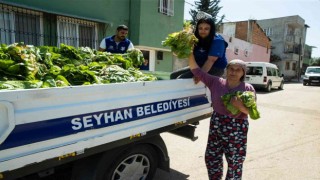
{"points": [[248, 99], [26, 66], [181, 43]]}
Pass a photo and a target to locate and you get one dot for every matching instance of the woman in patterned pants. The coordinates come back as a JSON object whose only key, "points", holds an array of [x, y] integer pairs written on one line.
{"points": [[229, 136], [228, 132]]}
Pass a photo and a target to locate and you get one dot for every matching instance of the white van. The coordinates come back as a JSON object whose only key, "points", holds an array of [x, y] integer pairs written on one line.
{"points": [[264, 75]]}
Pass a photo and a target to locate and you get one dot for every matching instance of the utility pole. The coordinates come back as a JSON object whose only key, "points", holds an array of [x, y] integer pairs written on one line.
{"points": [[299, 60]]}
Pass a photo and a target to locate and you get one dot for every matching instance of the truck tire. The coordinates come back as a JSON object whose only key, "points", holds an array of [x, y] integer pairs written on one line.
{"points": [[139, 162]]}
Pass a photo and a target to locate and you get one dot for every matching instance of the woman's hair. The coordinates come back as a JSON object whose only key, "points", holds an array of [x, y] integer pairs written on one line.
{"points": [[206, 42]]}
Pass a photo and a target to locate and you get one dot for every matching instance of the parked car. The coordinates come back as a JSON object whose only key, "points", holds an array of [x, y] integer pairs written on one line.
{"points": [[312, 75], [264, 75]]}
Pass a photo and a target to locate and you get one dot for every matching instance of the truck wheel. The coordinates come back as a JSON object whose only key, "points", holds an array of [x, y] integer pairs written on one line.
{"points": [[140, 162]]}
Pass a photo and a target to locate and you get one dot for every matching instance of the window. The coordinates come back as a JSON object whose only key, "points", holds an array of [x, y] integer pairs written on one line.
{"points": [[268, 31], [251, 70], [159, 55], [287, 65], [27, 27], [269, 71], [20, 25], [6, 25], [290, 31], [77, 33], [246, 52], [236, 51], [166, 7], [274, 72], [294, 66], [288, 48], [278, 72]]}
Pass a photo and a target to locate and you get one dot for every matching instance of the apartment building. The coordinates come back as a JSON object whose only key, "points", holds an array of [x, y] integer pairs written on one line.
{"points": [[288, 35]]}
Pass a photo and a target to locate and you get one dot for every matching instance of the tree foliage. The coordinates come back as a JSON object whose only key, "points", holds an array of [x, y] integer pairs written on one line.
{"points": [[315, 62], [209, 6], [274, 58]]}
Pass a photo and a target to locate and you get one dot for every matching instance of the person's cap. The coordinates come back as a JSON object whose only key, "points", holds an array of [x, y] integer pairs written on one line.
{"points": [[242, 64]]}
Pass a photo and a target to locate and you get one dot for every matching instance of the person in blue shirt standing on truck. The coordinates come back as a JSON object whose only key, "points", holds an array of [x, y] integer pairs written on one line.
{"points": [[118, 43], [209, 52]]}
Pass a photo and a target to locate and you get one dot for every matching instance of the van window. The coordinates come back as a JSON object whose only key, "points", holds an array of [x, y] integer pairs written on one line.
{"points": [[254, 70], [274, 72], [269, 71]]}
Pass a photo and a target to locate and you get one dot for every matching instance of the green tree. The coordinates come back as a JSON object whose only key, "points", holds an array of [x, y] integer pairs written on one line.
{"points": [[274, 58], [209, 6], [315, 62]]}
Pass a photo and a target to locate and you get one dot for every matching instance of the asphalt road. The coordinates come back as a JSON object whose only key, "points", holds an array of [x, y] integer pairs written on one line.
{"points": [[284, 144]]}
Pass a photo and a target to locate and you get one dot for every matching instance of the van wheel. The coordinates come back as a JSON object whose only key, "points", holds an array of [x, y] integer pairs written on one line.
{"points": [[138, 163], [281, 86], [268, 88]]}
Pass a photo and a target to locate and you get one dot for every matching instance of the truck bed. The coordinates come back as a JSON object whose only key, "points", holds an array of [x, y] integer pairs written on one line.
{"points": [[39, 124]]}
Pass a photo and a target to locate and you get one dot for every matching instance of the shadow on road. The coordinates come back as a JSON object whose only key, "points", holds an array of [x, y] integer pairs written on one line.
{"points": [[262, 91], [172, 175]]}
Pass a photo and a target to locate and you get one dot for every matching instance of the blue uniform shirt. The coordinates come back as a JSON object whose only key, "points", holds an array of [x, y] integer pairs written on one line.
{"points": [[113, 47], [218, 49]]}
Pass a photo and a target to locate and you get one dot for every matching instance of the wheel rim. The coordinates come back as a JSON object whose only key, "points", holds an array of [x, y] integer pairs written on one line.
{"points": [[134, 167]]}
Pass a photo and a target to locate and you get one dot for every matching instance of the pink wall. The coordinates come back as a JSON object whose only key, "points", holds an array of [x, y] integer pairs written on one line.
{"points": [[255, 53]]}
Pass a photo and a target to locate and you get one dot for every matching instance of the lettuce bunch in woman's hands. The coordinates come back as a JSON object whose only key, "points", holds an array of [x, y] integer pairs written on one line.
{"points": [[181, 43], [248, 99]]}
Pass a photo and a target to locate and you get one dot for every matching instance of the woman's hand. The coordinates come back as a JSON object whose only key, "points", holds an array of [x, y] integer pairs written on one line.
{"points": [[196, 80], [237, 103]]}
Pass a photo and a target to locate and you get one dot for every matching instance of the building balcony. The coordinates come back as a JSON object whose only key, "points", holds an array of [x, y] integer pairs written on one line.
{"points": [[290, 56], [293, 39]]}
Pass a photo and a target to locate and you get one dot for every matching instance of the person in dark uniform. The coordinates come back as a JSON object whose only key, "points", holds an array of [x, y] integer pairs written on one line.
{"points": [[117, 43], [209, 52]]}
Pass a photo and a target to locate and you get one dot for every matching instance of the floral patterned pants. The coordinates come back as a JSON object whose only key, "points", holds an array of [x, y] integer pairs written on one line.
{"points": [[227, 136]]}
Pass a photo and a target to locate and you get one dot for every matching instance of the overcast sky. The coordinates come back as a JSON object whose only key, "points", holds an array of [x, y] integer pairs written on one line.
{"points": [[240, 10]]}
